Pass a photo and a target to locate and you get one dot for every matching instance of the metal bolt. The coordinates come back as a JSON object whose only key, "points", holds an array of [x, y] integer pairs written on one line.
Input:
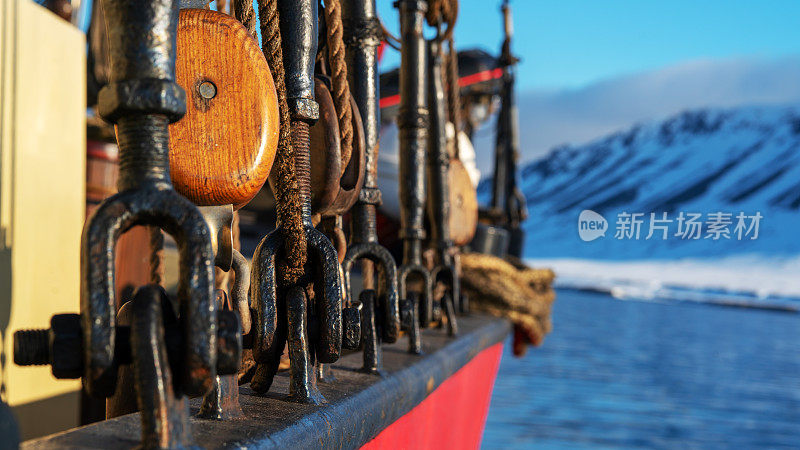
{"points": [[207, 90], [32, 347]]}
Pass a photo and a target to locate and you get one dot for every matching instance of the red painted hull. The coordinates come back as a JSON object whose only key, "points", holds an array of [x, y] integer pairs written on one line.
{"points": [[453, 415]]}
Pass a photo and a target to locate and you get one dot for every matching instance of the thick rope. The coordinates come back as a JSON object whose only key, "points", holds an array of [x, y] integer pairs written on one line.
{"points": [[341, 89], [510, 290], [243, 12], [287, 188], [222, 6], [156, 256], [453, 95], [442, 12]]}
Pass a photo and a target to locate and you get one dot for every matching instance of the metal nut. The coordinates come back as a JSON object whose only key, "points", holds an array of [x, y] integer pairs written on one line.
{"points": [[141, 96], [66, 346]]}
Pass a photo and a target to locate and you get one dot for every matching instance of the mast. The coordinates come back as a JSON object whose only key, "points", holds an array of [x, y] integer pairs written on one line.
{"points": [[508, 203]]}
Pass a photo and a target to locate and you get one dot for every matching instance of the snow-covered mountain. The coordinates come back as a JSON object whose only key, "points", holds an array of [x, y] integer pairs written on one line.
{"points": [[744, 160]]}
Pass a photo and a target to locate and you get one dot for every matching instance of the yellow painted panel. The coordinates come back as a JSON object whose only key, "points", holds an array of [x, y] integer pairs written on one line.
{"points": [[42, 186]]}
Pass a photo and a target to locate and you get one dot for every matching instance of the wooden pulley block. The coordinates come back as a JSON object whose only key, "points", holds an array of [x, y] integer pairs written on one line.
{"points": [[326, 154], [353, 177], [222, 151], [463, 204]]}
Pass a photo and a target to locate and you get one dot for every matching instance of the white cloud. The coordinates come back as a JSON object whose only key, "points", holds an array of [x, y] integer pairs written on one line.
{"points": [[549, 119]]}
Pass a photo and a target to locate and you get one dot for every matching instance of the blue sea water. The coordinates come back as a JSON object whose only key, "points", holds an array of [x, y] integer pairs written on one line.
{"points": [[630, 374]]}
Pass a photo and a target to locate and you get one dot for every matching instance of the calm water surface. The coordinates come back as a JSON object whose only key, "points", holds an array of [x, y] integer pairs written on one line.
{"points": [[635, 374]]}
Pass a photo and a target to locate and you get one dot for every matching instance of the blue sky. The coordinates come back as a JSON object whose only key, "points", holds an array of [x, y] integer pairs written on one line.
{"points": [[571, 43], [592, 67]]}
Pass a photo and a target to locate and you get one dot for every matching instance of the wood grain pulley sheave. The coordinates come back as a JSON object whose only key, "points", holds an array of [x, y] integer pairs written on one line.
{"points": [[222, 151], [463, 204]]}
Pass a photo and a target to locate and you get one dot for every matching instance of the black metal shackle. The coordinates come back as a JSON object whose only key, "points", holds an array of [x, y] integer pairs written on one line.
{"points": [[438, 166], [413, 123], [388, 302], [319, 337], [362, 36], [141, 99]]}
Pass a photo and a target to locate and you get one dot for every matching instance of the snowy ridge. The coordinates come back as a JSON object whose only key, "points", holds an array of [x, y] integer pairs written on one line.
{"points": [[741, 160], [706, 161]]}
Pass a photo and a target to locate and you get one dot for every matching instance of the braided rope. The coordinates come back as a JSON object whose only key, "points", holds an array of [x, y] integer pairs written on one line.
{"points": [[287, 188], [453, 95], [341, 89], [243, 12], [156, 256], [223, 6], [443, 12]]}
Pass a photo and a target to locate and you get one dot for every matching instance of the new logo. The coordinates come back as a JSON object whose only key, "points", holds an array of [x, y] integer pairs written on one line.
{"points": [[591, 225]]}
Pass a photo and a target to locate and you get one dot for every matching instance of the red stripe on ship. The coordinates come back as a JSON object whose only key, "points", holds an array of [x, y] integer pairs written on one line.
{"points": [[468, 80]]}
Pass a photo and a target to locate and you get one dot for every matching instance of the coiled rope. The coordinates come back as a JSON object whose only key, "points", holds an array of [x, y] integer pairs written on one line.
{"points": [[287, 188], [341, 89], [509, 289]]}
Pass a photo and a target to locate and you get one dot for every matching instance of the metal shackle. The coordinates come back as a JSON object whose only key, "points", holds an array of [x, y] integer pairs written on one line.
{"points": [[362, 36], [413, 123], [277, 317], [438, 166], [141, 99], [390, 300]]}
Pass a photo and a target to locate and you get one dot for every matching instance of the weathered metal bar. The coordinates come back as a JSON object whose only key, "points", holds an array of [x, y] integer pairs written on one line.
{"points": [[359, 405], [438, 166], [141, 99], [60, 345], [413, 124], [222, 402], [318, 337], [362, 36], [164, 409], [506, 196]]}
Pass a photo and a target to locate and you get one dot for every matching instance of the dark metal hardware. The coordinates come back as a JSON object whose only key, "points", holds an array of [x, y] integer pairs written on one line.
{"points": [[222, 402], [141, 98], [219, 219], [409, 309], [359, 405], [362, 35], [380, 315], [438, 166], [413, 124], [61, 346], [490, 240], [157, 396], [313, 326], [150, 348], [508, 202]]}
